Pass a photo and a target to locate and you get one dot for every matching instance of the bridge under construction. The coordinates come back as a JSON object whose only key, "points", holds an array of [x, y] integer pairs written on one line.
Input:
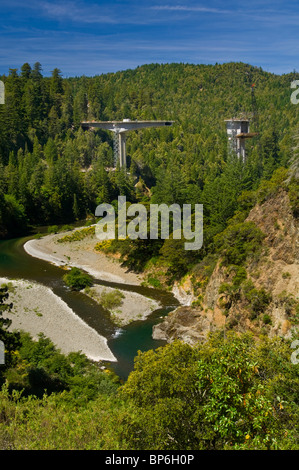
{"points": [[120, 129]]}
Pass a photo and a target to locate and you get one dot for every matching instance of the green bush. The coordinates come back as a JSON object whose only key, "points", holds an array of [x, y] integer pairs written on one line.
{"points": [[203, 270], [154, 282], [268, 188], [224, 394], [53, 229], [258, 299], [267, 319], [66, 228], [41, 368], [197, 302], [112, 299], [232, 291], [77, 280], [293, 191], [239, 241], [78, 235]]}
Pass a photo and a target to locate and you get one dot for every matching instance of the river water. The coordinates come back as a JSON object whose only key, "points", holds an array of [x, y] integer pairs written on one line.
{"points": [[124, 342]]}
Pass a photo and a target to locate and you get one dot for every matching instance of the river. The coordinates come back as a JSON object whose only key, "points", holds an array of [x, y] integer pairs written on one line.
{"points": [[124, 342]]}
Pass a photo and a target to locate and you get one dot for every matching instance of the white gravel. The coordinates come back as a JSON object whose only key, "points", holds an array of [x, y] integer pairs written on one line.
{"points": [[36, 309]]}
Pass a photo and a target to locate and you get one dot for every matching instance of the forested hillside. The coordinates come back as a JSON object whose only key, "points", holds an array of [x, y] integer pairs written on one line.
{"points": [[234, 386], [53, 172]]}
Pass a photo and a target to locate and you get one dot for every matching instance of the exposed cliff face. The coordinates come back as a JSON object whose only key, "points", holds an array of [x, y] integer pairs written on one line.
{"points": [[188, 324], [269, 305], [276, 220]]}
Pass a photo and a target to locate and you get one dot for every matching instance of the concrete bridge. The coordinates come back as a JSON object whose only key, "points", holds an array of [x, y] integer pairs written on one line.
{"points": [[120, 128]]}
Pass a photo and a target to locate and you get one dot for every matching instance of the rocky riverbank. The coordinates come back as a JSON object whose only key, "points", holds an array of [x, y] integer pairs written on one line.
{"points": [[36, 309], [269, 306], [81, 253]]}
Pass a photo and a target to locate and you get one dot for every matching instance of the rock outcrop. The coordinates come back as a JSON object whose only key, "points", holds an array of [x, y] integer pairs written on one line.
{"points": [[275, 272], [188, 324]]}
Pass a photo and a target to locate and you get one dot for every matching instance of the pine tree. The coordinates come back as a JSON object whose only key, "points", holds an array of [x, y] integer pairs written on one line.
{"points": [[76, 211]]}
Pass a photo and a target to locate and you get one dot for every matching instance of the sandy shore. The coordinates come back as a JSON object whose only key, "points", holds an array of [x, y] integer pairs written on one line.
{"points": [[133, 306], [82, 255], [36, 309]]}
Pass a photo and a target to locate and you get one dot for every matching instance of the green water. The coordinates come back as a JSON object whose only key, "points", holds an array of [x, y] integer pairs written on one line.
{"points": [[124, 342]]}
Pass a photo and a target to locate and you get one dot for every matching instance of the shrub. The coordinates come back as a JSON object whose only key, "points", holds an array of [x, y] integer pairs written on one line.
{"points": [[239, 241], [66, 228], [259, 299], [218, 395], [197, 302], [103, 245], [203, 270], [267, 319], [154, 282], [293, 191], [232, 291], [78, 235], [268, 188], [77, 280], [53, 229], [112, 299]]}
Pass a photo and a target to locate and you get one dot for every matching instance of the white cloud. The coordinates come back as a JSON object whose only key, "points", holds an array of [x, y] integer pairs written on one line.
{"points": [[74, 11], [80, 37], [182, 8]]}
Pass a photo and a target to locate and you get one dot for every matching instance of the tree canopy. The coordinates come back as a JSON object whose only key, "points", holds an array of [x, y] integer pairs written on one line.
{"points": [[56, 172]]}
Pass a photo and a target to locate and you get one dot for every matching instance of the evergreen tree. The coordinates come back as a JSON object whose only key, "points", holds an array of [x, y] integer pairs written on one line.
{"points": [[11, 341], [75, 208], [25, 71]]}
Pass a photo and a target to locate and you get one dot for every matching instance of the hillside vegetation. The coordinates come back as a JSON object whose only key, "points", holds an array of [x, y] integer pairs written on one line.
{"points": [[53, 172], [228, 379], [228, 393]]}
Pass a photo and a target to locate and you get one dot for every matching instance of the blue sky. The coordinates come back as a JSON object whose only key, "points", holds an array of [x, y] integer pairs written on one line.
{"points": [[94, 37]]}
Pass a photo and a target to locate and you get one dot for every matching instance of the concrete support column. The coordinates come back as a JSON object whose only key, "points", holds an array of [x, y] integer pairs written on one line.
{"points": [[243, 153], [122, 149], [120, 128], [241, 149]]}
